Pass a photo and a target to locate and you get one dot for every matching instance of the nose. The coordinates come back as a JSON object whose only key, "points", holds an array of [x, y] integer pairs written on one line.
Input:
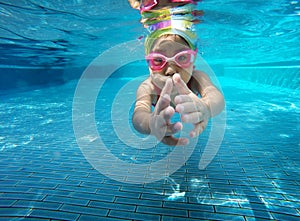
{"points": [[171, 69]]}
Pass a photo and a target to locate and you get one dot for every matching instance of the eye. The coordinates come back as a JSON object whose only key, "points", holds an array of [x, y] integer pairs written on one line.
{"points": [[183, 58], [157, 61]]}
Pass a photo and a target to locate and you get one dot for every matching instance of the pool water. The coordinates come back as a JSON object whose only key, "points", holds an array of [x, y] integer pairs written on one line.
{"points": [[47, 174], [255, 174]]}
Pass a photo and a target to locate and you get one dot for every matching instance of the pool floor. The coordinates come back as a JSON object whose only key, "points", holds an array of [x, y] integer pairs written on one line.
{"points": [[254, 176]]}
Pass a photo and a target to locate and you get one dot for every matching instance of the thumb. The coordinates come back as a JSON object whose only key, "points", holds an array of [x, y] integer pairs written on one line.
{"points": [[180, 85]]}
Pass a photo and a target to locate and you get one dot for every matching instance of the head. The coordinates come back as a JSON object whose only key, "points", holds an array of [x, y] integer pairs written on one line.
{"points": [[170, 45]]}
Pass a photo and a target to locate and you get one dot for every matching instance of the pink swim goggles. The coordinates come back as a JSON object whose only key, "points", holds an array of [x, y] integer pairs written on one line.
{"points": [[183, 59], [149, 4]]}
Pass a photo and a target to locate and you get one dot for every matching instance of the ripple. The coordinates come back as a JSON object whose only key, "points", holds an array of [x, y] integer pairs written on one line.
{"points": [[60, 33]]}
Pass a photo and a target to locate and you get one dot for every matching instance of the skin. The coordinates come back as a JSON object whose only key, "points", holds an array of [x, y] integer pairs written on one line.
{"points": [[168, 89]]}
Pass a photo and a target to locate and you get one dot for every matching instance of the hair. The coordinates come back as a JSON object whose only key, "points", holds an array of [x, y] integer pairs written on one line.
{"points": [[174, 36]]}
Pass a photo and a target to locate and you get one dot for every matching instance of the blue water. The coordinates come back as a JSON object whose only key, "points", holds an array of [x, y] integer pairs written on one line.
{"points": [[52, 166]]}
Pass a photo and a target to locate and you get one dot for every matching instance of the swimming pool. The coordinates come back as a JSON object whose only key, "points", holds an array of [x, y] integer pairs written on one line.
{"points": [[46, 174]]}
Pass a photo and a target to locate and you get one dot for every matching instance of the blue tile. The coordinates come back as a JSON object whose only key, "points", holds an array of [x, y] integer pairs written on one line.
{"points": [[84, 210], [114, 205], [37, 204], [107, 197], [172, 218], [234, 210], [133, 215], [280, 216], [84, 217], [40, 185], [7, 202], [214, 216], [162, 211], [120, 193], [283, 209], [147, 196], [188, 206], [25, 196], [145, 202], [53, 214], [14, 189], [14, 212], [66, 200], [75, 188]]}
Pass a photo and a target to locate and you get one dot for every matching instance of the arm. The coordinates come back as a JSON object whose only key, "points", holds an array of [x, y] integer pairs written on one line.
{"points": [[211, 96], [142, 110]]}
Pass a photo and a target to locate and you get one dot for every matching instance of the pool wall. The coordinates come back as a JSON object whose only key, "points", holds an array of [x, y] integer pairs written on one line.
{"points": [[20, 78]]}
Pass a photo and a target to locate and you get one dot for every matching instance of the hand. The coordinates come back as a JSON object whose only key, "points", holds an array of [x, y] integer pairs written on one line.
{"points": [[191, 108], [160, 123]]}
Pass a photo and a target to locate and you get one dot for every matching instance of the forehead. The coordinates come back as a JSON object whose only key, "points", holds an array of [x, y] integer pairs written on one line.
{"points": [[169, 43]]}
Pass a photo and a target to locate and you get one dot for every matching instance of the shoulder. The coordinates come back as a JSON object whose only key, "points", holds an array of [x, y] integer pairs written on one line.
{"points": [[146, 86], [200, 81], [200, 75]]}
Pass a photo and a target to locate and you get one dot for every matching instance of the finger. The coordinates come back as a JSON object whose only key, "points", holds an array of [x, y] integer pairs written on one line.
{"points": [[180, 85], [199, 128], [194, 117], [167, 113], [162, 103], [174, 128], [187, 107], [182, 98], [167, 89], [172, 141], [164, 99]]}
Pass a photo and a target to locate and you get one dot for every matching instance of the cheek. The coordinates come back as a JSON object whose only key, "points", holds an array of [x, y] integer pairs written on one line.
{"points": [[186, 74], [158, 79]]}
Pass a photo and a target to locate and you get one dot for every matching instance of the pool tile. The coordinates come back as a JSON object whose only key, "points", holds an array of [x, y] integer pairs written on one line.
{"points": [[133, 215], [25, 196], [253, 176], [114, 205], [281, 216], [162, 211], [14, 212], [53, 214], [37, 204], [84, 210], [188, 206], [84, 217], [214, 216], [143, 202], [233, 210], [66, 200]]}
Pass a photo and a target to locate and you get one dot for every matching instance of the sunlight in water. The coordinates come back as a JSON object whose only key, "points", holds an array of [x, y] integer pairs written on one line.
{"points": [[176, 195]]}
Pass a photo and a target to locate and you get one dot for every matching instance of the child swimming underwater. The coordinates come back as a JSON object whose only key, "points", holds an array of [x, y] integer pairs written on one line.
{"points": [[173, 84]]}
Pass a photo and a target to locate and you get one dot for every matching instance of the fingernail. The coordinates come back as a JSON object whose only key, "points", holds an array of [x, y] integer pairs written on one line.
{"points": [[167, 97], [177, 99], [179, 108], [176, 76]]}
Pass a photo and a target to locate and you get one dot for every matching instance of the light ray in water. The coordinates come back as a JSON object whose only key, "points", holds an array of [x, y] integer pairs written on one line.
{"points": [[176, 195]]}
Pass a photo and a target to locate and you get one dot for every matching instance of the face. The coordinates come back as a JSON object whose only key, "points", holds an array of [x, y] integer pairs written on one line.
{"points": [[170, 46]]}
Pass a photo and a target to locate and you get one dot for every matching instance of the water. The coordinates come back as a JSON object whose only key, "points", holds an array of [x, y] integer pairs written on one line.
{"points": [[56, 34], [45, 173]]}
